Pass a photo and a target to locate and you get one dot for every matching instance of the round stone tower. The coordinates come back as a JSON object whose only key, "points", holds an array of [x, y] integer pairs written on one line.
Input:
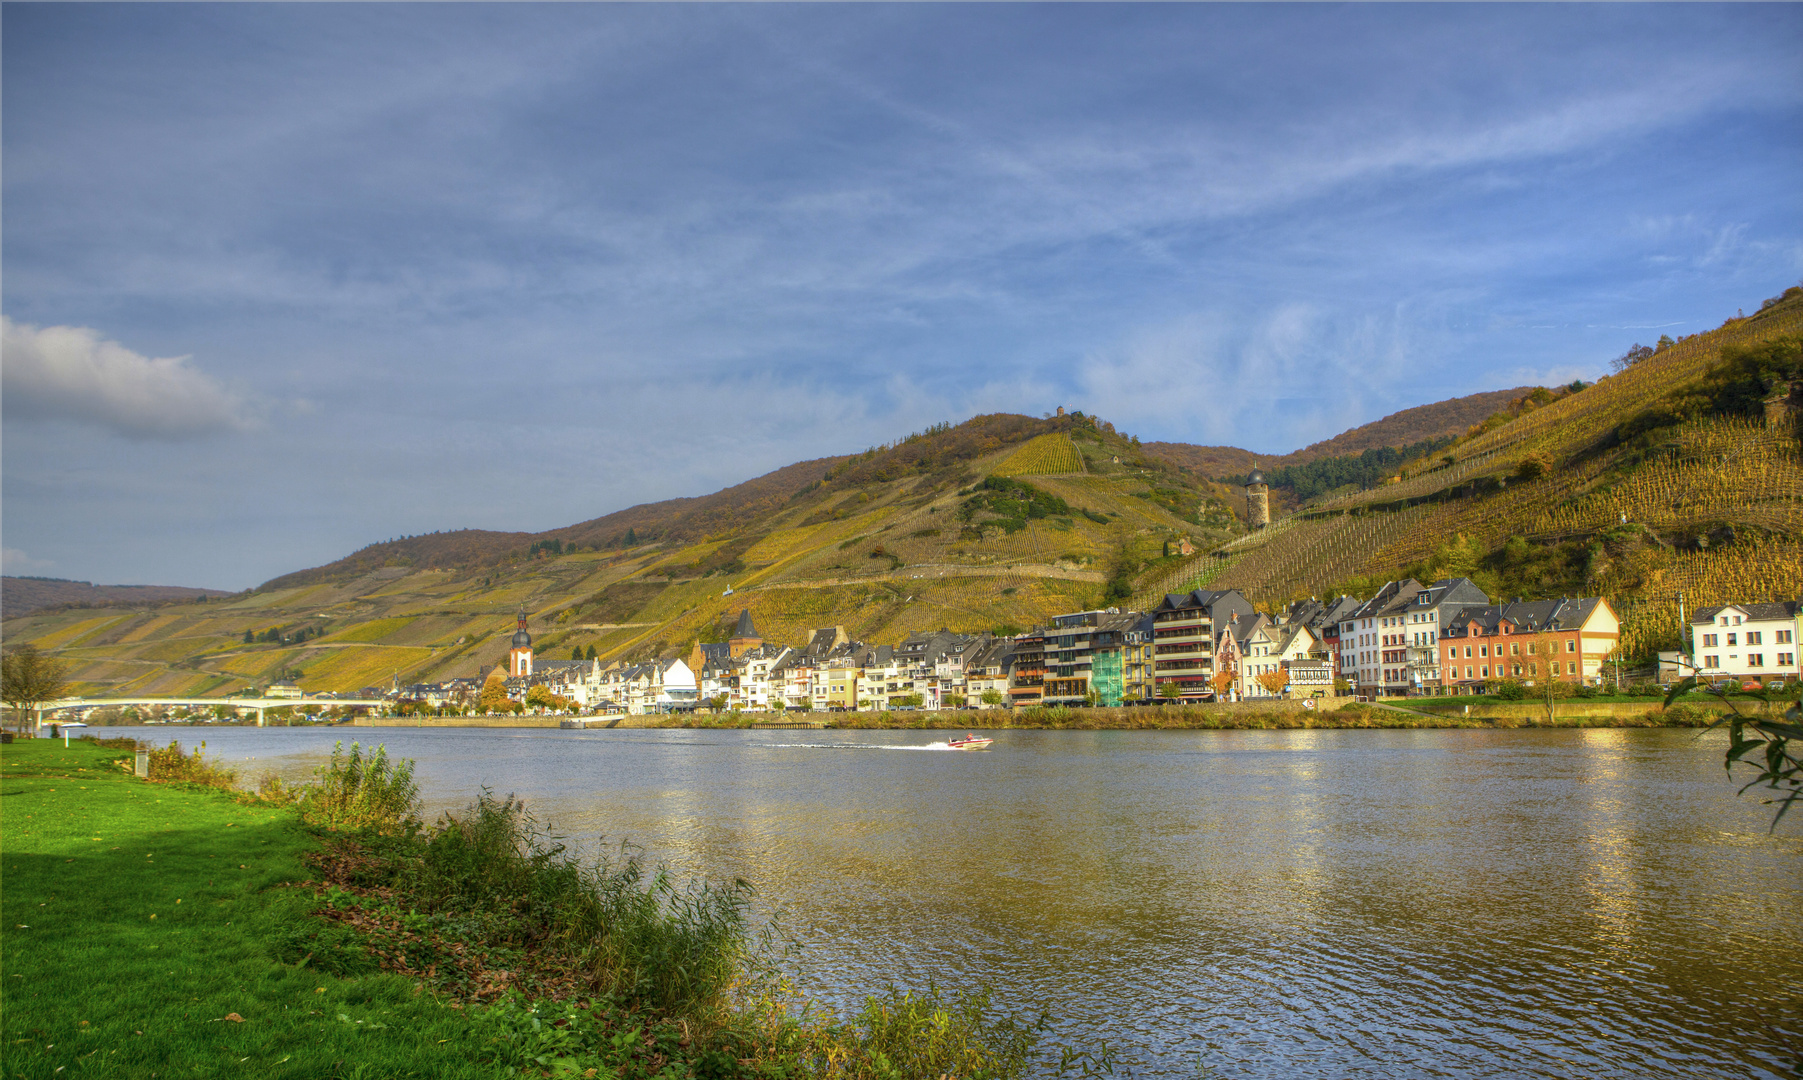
{"points": [[1258, 500]]}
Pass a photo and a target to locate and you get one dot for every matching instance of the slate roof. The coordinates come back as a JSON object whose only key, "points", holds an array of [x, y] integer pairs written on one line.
{"points": [[1566, 613], [1768, 612], [746, 628], [823, 641]]}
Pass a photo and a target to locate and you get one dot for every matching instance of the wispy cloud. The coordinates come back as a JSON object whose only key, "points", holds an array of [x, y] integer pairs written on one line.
{"points": [[73, 373], [14, 561]]}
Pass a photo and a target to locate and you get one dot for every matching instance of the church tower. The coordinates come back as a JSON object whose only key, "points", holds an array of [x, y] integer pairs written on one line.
{"points": [[519, 657], [1258, 500], [745, 637]]}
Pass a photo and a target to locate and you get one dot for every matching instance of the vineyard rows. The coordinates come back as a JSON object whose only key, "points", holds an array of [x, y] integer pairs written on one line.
{"points": [[1722, 469], [1759, 569], [1577, 420], [1042, 455], [1318, 554]]}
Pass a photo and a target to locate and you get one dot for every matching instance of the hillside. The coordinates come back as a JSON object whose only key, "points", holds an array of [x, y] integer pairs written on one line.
{"points": [[1442, 419], [19, 595], [990, 524], [1662, 479]]}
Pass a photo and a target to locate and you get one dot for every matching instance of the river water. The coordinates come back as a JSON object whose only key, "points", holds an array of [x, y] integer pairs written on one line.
{"points": [[1575, 903]]}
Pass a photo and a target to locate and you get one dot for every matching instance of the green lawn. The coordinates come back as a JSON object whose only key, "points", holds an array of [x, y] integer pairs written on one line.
{"points": [[138, 919]]}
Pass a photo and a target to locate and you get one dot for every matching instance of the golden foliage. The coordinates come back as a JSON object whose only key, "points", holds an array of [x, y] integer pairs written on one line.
{"points": [[1042, 455]]}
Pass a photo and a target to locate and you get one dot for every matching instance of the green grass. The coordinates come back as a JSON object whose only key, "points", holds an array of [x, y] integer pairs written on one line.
{"points": [[138, 916], [153, 929]]}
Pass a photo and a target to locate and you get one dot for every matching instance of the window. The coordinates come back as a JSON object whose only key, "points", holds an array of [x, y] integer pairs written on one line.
{"points": [[1532, 648], [1468, 673], [1712, 661], [1533, 669], [1709, 641], [1731, 640], [1514, 648], [1786, 659], [1483, 650], [1782, 637], [1753, 637], [1486, 671], [1724, 620], [1737, 620], [1571, 645], [1571, 667], [1755, 659], [1517, 668]]}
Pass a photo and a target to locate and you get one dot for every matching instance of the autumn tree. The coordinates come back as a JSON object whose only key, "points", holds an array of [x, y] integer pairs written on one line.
{"points": [[1545, 655], [1224, 681], [538, 697], [1274, 681], [29, 678], [494, 692]]}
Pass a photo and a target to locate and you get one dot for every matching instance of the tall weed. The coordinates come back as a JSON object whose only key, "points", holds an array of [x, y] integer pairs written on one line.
{"points": [[634, 932], [358, 791], [168, 763]]}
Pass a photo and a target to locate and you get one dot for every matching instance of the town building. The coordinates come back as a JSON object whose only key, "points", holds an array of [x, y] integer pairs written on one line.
{"points": [[1749, 642], [1185, 629], [1565, 639]]}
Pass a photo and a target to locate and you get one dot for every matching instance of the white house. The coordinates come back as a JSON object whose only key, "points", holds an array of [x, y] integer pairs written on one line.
{"points": [[1269, 648], [1747, 641]]}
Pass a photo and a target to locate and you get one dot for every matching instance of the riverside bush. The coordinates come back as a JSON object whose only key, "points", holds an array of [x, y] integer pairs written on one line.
{"points": [[168, 763], [360, 792]]}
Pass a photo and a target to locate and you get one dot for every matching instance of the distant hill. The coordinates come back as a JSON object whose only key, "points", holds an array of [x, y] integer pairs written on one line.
{"points": [[1442, 419], [1677, 476], [19, 595], [689, 519]]}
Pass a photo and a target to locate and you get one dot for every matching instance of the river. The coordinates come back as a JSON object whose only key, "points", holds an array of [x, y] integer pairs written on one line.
{"points": [[1594, 903]]}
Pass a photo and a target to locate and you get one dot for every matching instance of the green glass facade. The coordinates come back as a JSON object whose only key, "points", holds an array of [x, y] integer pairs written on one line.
{"points": [[1105, 676]]}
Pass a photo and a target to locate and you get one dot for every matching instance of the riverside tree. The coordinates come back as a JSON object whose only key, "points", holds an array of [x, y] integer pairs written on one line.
{"points": [[494, 692], [28, 678]]}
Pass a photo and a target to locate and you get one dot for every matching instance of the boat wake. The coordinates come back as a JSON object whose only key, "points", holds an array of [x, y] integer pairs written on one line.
{"points": [[857, 746]]}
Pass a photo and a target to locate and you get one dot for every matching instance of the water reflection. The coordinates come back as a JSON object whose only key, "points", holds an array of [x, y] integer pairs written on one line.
{"points": [[1286, 904]]}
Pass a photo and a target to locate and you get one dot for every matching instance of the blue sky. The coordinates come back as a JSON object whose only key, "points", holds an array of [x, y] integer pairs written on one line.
{"points": [[284, 280]]}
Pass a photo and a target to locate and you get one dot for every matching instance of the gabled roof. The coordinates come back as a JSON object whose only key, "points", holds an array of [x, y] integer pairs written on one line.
{"points": [[824, 640], [1394, 598], [1530, 616], [1765, 612]]}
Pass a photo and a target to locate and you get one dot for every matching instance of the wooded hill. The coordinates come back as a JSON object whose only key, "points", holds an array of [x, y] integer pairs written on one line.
{"points": [[19, 595], [1440, 420], [999, 522]]}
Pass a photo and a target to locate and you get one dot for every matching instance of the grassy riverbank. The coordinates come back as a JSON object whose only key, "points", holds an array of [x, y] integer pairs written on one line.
{"points": [[163, 929], [137, 939]]}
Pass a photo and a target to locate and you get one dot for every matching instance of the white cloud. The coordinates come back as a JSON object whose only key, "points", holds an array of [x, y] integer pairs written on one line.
{"points": [[72, 373], [14, 561], [1271, 386]]}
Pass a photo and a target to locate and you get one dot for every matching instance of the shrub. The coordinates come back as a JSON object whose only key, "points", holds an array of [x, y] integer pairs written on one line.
{"points": [[170, 764], [359, 792], [904, 1034]]}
